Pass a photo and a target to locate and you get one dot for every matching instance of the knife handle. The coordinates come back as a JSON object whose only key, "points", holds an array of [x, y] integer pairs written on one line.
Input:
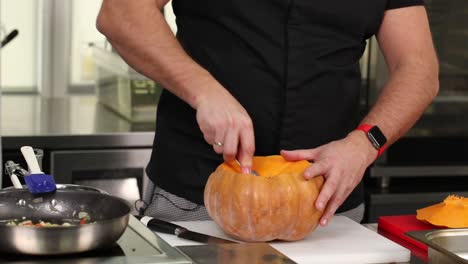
{"points": [[160, 225]]}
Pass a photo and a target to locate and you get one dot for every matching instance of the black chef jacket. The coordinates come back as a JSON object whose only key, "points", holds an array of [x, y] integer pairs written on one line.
{"points": [[292, 64]]}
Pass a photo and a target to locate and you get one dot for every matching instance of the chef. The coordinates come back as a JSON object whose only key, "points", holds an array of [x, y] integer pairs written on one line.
{"points": [[268, 77]]}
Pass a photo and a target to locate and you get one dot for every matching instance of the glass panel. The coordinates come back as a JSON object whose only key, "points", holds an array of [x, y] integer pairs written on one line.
{"points": [[449, 25], [446, 117], [84, 35], [19, 58]]}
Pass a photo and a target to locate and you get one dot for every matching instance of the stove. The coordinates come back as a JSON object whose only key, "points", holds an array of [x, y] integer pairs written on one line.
{"points": [[138, 244]]}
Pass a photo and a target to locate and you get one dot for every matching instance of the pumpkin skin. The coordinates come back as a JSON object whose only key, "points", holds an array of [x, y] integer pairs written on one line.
{"points": [[452, 213], [278, 204]]}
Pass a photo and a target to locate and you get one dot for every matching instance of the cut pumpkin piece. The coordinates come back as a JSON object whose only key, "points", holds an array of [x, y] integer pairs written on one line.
{"points": [[452, 213]]}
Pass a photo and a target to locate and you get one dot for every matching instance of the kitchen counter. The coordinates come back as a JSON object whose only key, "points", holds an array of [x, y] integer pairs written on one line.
{"points": [[74, 122], [130, 249]]}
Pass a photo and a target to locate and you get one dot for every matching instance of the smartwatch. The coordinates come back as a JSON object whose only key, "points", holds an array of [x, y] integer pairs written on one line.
{"points": [[375, 136]]}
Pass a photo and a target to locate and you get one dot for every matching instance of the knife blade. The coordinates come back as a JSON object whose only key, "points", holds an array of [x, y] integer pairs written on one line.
{"points": [[159, 225]]}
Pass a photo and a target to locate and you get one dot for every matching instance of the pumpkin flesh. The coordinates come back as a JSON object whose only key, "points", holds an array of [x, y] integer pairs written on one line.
{"points": [[278, 204], [452, 213]]}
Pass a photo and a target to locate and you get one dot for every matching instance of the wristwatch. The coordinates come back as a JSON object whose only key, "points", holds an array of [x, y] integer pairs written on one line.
{"points": [[375, 136]]}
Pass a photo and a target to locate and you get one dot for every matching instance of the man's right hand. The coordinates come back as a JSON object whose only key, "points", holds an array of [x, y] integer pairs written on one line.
{"points": [[227, 126]]}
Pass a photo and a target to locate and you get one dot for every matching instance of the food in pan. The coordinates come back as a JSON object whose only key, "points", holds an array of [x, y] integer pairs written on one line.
{"points": [[83, 220], [39, 224]]}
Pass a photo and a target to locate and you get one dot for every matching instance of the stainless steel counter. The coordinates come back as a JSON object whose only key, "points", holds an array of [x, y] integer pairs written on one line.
{"points": [[68, 123]]}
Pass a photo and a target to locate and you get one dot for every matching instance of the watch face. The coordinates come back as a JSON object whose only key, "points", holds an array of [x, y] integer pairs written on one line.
{"points": [[377, 137]]}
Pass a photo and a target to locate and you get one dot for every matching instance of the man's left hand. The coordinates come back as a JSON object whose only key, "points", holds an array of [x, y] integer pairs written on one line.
{"points": [[342, 163]]}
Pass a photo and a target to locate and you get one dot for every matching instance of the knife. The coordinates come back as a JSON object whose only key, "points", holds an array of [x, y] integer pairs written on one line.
{"points": [[158, 225]]}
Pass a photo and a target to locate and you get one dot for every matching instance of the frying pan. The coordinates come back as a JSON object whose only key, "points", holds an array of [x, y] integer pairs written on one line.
{"points": [[108, 216]]}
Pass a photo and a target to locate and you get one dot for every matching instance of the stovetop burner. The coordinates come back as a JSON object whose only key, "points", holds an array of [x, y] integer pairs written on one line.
{"points": [[138, 244]]}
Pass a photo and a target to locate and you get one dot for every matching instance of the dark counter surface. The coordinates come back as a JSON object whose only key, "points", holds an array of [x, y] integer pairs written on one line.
{"points": [[73, 122]]}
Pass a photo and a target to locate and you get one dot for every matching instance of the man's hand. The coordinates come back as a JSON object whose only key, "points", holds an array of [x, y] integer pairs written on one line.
{"points": [[342, 163], [227, 126]]}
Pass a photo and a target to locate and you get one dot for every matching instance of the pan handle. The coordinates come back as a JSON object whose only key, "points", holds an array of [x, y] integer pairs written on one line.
{"points": [[11, 169], [14, 170]]}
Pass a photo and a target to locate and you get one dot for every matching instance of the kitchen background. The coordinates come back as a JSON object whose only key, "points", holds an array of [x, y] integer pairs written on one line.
{"points": [[65, 91]]}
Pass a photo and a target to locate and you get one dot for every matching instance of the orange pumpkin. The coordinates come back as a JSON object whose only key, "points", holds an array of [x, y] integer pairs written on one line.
{"points": [[452, 212], [278, 204]]}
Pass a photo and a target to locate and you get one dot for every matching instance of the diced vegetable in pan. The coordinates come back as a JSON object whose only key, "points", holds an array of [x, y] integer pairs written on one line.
{"points": [[84, 219]]}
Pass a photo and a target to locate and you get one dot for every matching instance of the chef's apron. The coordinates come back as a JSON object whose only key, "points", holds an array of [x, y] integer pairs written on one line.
{"points": [[169, 207]]}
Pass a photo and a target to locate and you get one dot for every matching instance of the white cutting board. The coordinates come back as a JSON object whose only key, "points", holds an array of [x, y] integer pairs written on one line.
{"points": [[342, 241]]}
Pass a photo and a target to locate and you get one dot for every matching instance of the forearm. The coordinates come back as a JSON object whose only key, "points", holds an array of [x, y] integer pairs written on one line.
{"points": [[140, 34], [411, 88], [406, 43]]}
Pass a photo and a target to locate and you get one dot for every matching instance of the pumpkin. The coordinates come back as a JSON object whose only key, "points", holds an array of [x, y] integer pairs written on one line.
{"points": [[452, 212], [277, 204]]}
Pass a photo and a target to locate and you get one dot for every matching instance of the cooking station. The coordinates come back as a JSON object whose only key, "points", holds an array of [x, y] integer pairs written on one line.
{"points": [[104, 131], [92, 116], [139, 244]]}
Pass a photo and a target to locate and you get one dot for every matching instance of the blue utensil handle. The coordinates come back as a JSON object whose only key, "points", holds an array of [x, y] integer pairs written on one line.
{"points": [[37, 181], [40, 183]]}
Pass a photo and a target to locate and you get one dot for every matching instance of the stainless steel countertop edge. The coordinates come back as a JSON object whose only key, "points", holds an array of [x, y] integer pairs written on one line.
{"points": [[80, 141]]}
